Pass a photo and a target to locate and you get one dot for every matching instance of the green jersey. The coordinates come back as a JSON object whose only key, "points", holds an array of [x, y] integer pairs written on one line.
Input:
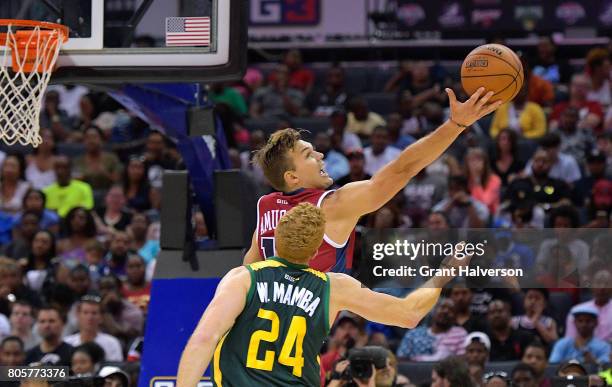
{"points": [[276, 339]]}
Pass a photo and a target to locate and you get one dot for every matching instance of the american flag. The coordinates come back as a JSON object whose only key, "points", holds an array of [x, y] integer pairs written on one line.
{"points": [[187, 31]]}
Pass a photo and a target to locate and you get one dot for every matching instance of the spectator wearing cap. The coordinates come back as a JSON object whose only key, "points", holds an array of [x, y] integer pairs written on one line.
{"points": [[379, 153], [538, 186], [598, 69], [507, 343], [397, 138], [361, 120], [442, 339], [477, 347], [460, 208], [356, 160], [336, 165], [67, 193], [342, 140], [523, 376], [114, 377], [535, 357], [332, 97], [52, 349], [590, 112], [571, 367], [421, 193], [584, 347], [600, 302], [534, 322], [344, 335], [12, 352], [89, 316], [563, 166], [462, 297]]}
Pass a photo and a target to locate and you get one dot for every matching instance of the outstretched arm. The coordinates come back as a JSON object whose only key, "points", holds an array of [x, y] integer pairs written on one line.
{"points": [[348, 294], [360, 198], [219, 317]]}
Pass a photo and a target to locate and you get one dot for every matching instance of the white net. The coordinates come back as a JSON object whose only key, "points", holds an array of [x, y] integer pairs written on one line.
{"points": [[28, 58]]}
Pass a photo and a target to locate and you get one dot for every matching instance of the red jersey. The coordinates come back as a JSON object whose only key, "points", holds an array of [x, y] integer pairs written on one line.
{"points": [[331, 256]]}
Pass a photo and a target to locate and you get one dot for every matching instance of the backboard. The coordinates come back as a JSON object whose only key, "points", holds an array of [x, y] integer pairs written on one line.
{"points": [[118, 41]]}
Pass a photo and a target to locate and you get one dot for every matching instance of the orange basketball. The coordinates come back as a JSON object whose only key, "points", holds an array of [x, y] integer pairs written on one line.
{"points": [[494, 67]]}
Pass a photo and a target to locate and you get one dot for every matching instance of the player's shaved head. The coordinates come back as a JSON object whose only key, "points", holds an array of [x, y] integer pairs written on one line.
{"points": [[274, 158], [300, 232]]}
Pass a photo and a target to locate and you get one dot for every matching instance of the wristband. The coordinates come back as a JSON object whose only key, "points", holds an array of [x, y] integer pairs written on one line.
{"points": [[458, 124]]}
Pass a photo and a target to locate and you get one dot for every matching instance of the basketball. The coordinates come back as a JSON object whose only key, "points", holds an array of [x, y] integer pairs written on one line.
{"points": [[496, 68]]}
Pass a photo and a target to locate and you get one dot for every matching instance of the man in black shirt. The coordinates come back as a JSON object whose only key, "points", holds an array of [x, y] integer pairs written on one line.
{"points": [[538, 188], [507, 344], [52, 350]]}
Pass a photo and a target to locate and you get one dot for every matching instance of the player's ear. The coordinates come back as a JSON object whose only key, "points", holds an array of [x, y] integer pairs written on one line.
{"points": [[291, 178]]}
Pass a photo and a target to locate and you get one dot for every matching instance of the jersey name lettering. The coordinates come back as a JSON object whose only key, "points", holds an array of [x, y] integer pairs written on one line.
{"points": [[269, 220], [289, 295]]}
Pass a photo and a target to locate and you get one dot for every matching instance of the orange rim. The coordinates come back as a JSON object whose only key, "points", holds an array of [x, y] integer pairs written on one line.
{"points": [[62, 30]]}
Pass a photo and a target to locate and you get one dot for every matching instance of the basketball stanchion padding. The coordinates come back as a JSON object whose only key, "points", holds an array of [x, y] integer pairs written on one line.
{"points": [[30, 50]]}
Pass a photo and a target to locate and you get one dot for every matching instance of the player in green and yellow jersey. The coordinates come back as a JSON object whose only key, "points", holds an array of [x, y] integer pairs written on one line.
{"points": [[267, 321]]}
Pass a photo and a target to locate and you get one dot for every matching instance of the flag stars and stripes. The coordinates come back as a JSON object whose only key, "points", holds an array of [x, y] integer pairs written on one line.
{"points": [[188, 31]]}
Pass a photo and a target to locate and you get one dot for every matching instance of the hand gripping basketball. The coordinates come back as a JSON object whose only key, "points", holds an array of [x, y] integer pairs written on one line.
{"points": [[464, 114]]}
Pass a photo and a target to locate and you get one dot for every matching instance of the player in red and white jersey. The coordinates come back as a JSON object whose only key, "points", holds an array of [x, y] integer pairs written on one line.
{"points": [[297, 171]]}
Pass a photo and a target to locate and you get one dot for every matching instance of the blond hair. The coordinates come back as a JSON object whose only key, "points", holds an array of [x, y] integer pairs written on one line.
{"points": [[273, 158], [300, 232]]}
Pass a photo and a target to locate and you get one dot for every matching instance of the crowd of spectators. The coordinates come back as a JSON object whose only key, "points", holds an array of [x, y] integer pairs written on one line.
{"points": [[79, 236], [79, 215], [542, 161]]}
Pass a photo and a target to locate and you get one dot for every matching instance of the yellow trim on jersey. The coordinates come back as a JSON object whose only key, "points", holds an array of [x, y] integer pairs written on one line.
{"points": [[317, 273], [218, 375], [267, 263]]}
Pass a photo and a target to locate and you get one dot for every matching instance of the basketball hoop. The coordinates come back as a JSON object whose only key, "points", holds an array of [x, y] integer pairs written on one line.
{"points": [[24, 75]]}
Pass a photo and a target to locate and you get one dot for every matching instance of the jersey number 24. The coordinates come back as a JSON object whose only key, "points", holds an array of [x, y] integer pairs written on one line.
{"points": [[294, 340]]}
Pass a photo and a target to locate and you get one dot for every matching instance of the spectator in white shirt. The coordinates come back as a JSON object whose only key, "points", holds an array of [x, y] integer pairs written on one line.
{"points": [[601, 301], [564, 167], [379, 153], [89, 315]]}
